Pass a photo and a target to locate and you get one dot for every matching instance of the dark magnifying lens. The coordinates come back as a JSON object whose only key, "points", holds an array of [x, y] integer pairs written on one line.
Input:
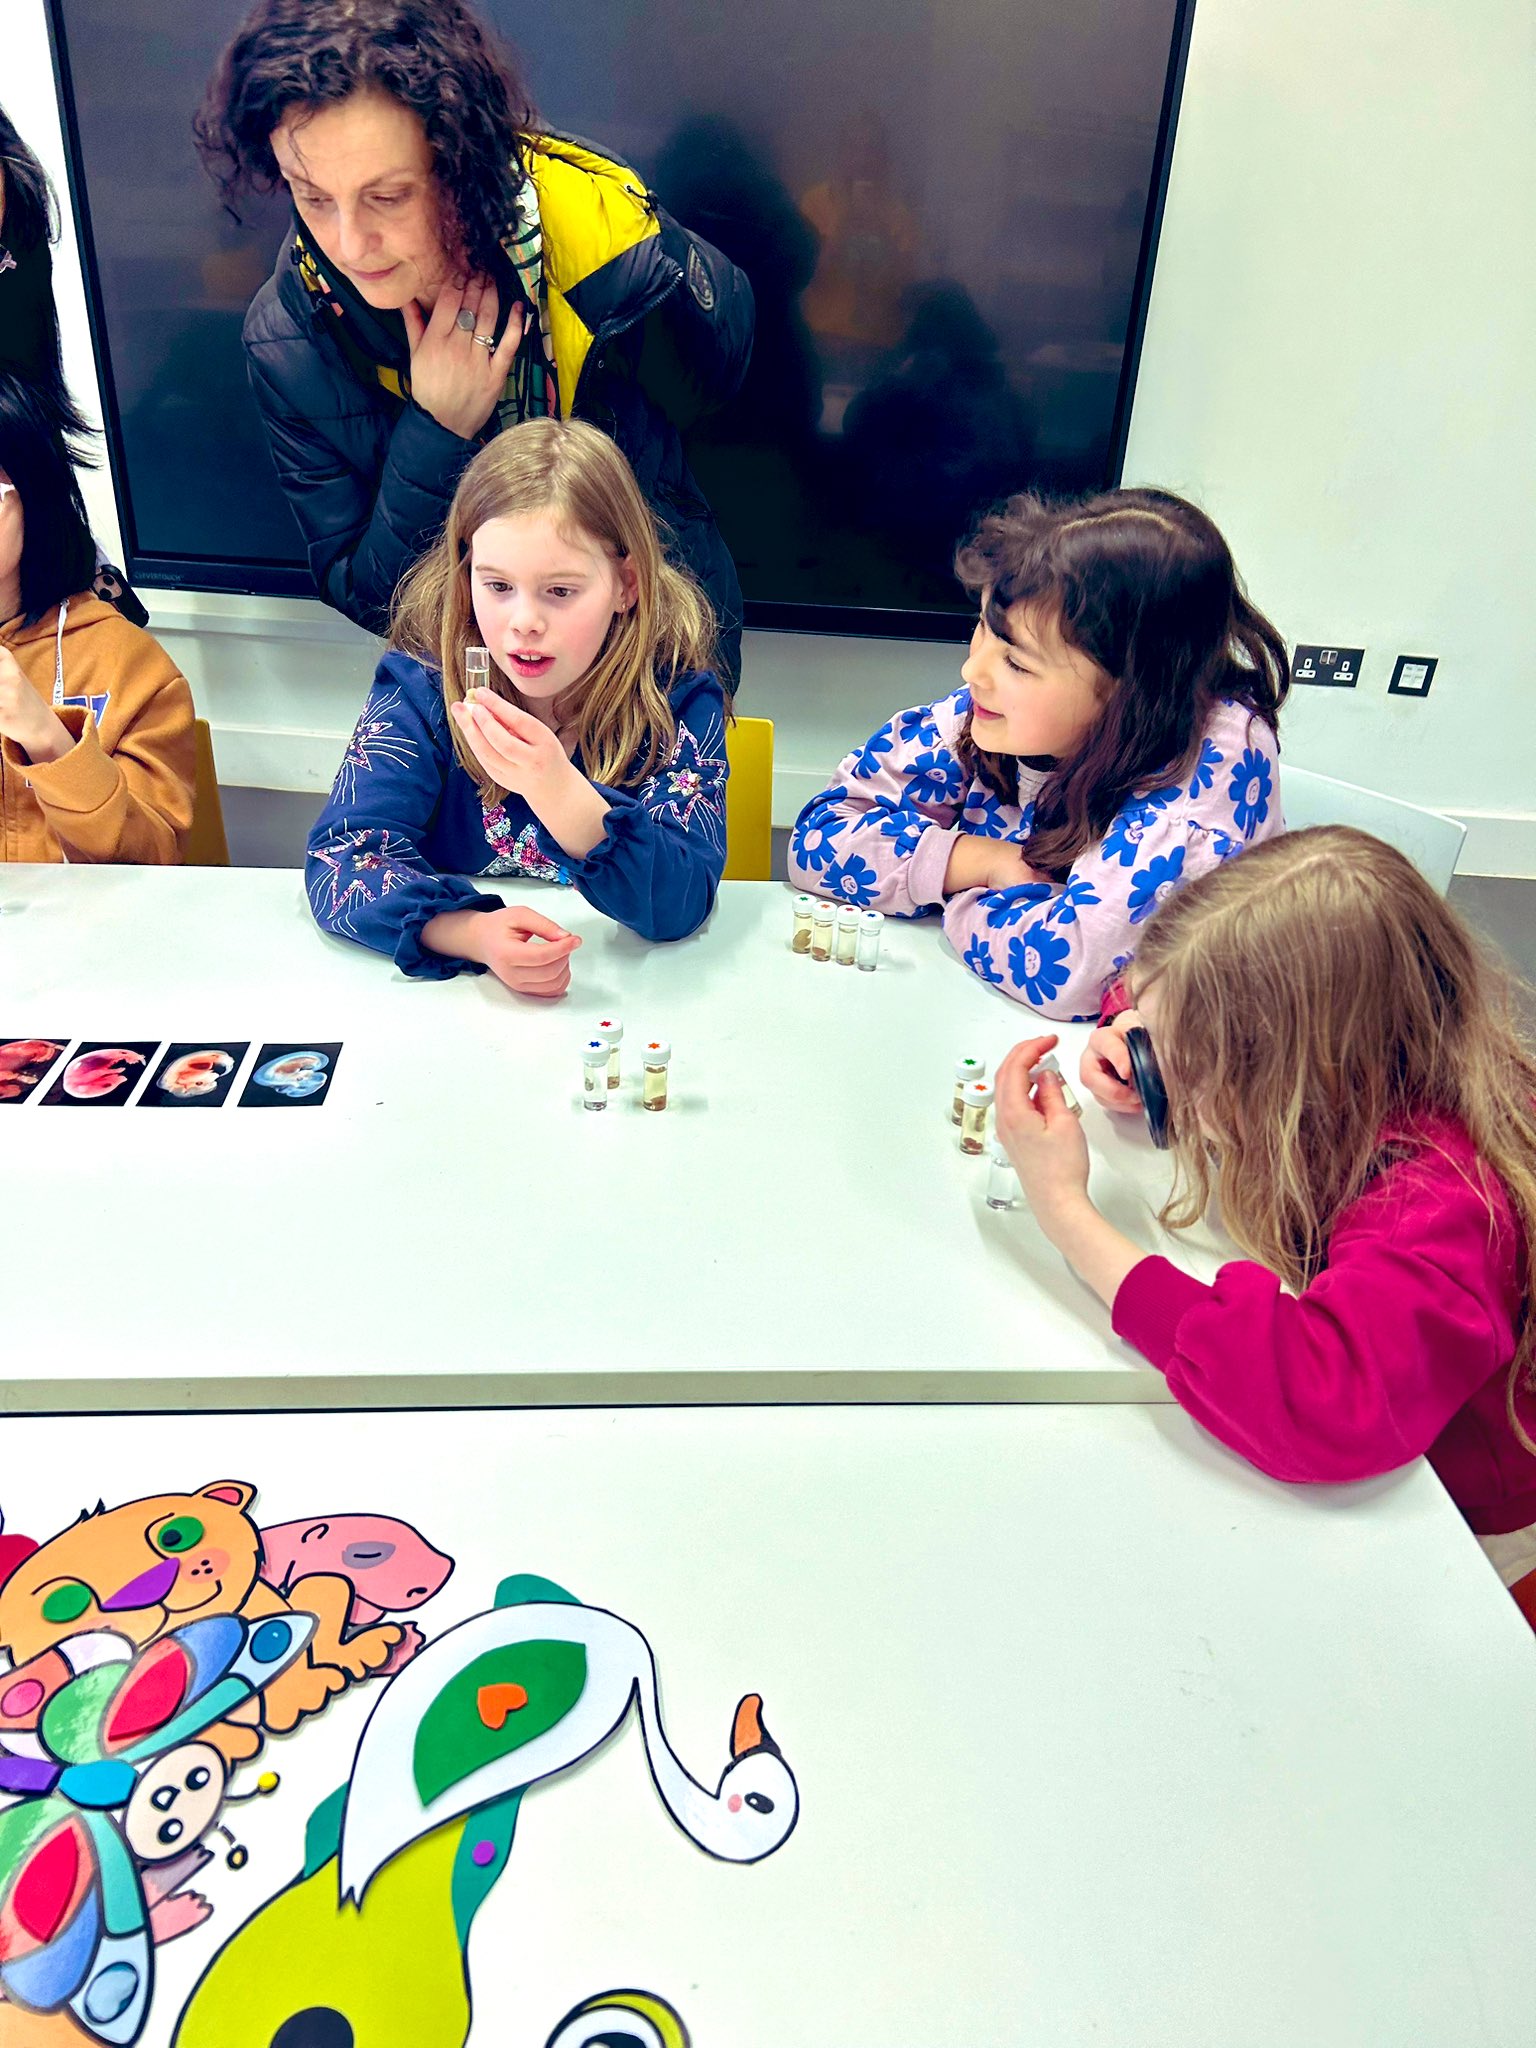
{"points": [[1147, 1079]]}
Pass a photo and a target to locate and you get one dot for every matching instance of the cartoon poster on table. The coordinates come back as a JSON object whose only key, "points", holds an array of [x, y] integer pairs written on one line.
{"points": [[157, 1658]]}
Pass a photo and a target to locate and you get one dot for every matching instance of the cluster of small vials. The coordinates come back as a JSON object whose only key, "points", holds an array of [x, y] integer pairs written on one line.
{"points": [[848, 936], [602, 1067], [970, 1110]]}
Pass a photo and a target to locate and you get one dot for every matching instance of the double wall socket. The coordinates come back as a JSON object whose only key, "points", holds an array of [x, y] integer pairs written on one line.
{"points": [[1338, 668]]}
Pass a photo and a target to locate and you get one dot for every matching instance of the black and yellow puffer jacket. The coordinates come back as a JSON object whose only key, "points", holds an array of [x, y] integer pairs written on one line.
{"points": [[651, 327]]}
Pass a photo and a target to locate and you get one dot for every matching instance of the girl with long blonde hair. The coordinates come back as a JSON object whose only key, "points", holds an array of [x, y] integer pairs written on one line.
{"points": [[588, 749], [1335, 1057]]}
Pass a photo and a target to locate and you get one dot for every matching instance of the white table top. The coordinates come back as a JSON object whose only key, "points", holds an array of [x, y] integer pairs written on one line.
{"points": [[1100, 1737], [798, 1224]]}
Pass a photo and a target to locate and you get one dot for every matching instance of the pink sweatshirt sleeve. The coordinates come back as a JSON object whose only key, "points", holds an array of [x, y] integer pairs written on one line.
{"points": [[1363, 1371], [880, 834], [1058, 952]]}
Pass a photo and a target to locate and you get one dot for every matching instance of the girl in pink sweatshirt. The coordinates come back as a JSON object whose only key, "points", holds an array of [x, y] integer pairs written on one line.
{"points": [[1338, 1061], [1113, 738]]}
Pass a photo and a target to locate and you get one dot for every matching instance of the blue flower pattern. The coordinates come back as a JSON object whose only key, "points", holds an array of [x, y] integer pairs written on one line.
{"points": [[817, 829], [978, 957], [1039, 963], [1149, 885], [867, 762], [935, 778], [1249, 789], [1012, 905], [1055, 947], [1211, 758], [1077, 895], [903, 828], [1122, 842], [854, 880]]}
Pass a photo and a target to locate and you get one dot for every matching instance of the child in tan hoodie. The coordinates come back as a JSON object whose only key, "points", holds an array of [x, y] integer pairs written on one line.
{"points": [[96, 746]]}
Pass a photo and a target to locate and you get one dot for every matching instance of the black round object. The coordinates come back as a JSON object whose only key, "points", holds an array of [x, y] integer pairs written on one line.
{"points": [[318, 2026], [1147, 1079]]}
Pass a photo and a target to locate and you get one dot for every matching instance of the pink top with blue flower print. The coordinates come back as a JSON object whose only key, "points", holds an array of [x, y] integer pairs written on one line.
{"points": [[881, 835]]}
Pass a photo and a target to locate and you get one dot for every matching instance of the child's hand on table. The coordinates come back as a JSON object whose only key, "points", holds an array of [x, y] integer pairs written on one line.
{"points": [[1106, 1065], [522, 948]]}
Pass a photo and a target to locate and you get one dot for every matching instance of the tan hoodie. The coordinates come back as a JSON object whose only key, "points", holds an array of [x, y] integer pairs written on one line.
{"points": [[123, 792]]}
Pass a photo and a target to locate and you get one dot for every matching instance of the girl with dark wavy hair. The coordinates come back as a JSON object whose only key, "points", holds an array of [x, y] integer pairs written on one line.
{"points": [[1114, 737], [453, 269]]}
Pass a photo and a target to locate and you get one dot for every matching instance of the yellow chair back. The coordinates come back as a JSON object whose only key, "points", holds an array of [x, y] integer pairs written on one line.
{"points": [[749, 800], [207, 846]]}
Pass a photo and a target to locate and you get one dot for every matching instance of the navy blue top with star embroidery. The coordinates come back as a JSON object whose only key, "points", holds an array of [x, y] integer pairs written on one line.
{"points": [[405, 824]]}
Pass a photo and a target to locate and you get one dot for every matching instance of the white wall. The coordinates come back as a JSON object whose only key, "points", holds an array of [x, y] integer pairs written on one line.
{"points": [[1338, 365]]}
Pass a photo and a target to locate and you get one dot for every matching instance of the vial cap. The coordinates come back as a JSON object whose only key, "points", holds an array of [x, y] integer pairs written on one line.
{"points": [[805, 903], [1049, 1064], [656, 1052], [594, 1052], [872, 919], [978, 1092], [848, 918], [824, 913], [970, 1070], [610, 1031]]}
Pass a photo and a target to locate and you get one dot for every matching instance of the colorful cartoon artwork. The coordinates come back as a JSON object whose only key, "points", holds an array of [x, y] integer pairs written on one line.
{"points": [[24, 1062], [115, 1781], [400, 1860], [390, 1566], [156, 1563]]}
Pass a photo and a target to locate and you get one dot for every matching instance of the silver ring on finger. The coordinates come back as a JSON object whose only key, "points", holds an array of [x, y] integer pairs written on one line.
{"points": [[486, 340], [464, 320]]}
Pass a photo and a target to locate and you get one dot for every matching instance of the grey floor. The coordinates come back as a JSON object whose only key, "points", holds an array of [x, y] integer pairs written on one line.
{"points": [[267, 829]]}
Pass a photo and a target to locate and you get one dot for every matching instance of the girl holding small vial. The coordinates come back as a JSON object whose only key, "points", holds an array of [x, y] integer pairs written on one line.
{"points": [[1113, 738], [595, 756], [1331, 1051]]}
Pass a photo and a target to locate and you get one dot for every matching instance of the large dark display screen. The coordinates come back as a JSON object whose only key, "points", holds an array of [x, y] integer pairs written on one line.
{"points": [[947, 209]]}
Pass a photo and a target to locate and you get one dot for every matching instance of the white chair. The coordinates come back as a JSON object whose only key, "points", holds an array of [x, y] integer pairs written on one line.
{"points": [[1430, 840]]}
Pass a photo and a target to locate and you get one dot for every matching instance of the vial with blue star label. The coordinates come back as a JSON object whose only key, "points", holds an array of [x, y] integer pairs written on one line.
{"points": [[871, 925], [594, 1074]]}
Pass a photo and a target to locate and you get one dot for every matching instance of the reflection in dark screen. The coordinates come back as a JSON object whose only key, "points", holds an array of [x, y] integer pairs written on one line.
{"points": [[939, 203]]}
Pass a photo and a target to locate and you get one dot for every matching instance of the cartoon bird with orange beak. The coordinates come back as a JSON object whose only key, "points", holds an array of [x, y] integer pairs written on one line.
{"points": [[399, 1861]]}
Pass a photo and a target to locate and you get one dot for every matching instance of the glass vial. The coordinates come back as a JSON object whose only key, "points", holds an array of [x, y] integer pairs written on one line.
{"points": [[1003, 1190], [822, 920], [847, 935], [973, 1117], [966, 1071], [594, 1074], [1051, 1065], [655, 1060], [611, 1032], [801, 943], [477, 669], [871, 924]]}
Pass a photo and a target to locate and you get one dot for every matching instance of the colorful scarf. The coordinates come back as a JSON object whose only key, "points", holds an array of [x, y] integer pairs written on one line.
{"points": [[532, 389]]}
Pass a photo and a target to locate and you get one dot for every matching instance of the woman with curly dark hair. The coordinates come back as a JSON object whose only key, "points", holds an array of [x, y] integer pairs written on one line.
{"points": [[454, 268]]}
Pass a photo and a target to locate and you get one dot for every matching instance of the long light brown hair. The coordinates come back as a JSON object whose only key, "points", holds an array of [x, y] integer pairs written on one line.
{"points": [[1316, 999], [624, 723], [1142, 583]]}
